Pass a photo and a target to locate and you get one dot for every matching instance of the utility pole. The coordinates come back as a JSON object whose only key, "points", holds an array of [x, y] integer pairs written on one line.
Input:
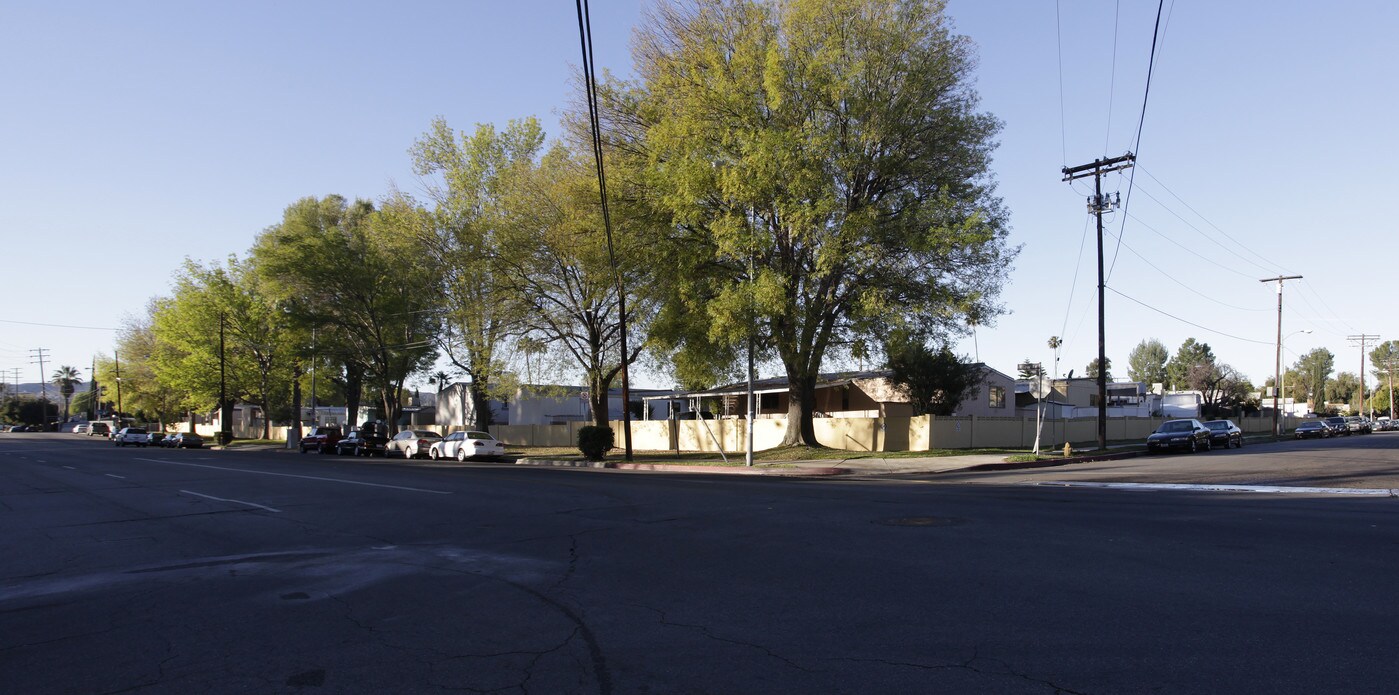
{"points": [[116, 360], [40, 354], [1277, 360], [1097, 205], [1361, 339], [224, 429]]}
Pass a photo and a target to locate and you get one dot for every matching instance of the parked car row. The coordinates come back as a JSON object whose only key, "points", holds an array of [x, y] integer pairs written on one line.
{"points": [[1192, 435], [463, 445], [138, 436]]}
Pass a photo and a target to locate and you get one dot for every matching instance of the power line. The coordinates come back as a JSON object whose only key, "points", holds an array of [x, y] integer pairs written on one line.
{"points": [[59, 325], [1213, 240], [1063, 131], [1207, 221], [1187, 249], [1131, 180], [1112, 76], [1172, 278], [1191, 323]]}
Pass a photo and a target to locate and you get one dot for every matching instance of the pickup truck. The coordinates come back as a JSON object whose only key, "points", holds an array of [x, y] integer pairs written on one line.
{"points": [[322, 440]]}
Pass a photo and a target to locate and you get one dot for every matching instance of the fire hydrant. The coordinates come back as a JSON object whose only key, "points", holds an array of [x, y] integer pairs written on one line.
{"points": [[1068, 450]]}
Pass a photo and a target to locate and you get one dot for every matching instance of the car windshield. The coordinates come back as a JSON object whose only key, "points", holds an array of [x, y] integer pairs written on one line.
{"points": [[425, 433], [1218, 425], [1177, 426], [479, 435]]}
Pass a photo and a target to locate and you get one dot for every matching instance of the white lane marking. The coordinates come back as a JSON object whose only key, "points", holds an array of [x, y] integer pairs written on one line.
{"points": [[221, 499], [70, 468], [303, 477], [41, 460], [113, 475], [1269, 489]]}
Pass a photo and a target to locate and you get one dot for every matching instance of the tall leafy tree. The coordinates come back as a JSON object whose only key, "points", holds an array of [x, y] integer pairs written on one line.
{"points": [[834, 148], [1385, 357], [1190, 356], [1091, 371], [1147, 362], [66, 378], [559, 271], [465, 175], [937, 380], [360, 273], [235, 301], [1345, 388], [143, 390], [1315, 369]]}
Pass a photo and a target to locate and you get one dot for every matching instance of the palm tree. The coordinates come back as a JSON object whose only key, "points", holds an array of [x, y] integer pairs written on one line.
{"points": [[66, 378]]}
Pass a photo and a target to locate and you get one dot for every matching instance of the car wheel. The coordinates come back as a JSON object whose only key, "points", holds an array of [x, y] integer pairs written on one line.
{"points": [[432, 454], [1240, 442], [1209, 445], [1194, 445], [461, 454]]}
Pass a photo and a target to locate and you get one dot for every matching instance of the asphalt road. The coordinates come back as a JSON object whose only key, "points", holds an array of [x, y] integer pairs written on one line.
{"points": [[151, 570]]}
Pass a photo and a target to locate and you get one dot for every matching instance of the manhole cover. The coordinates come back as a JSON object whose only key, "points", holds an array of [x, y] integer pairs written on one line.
{"points": [[922, 521]]}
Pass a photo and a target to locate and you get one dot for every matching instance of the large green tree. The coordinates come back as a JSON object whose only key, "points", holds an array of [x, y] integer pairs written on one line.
{"points": [[1315, 369], [232, 301], [1190, 356], [1345, 388], [563, 280], [361, 275], [1385, 357], [143, 390], [466, 176], [1091, 371], [826, 172], [1147, 362], [936, 380]]}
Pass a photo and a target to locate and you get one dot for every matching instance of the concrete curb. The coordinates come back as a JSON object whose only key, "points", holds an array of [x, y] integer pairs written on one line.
{"points": [[1051, 463], [794, 471]]}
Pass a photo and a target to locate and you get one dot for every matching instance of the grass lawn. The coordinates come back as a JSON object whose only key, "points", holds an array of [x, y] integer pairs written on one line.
{"points": [[256, 442]]}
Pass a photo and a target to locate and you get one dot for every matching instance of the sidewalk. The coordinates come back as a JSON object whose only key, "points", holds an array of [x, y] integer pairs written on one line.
{"points": [[858, 467]]}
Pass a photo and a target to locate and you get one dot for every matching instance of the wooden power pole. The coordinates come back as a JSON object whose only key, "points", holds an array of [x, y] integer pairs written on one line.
{"points": [[1097, 205]]}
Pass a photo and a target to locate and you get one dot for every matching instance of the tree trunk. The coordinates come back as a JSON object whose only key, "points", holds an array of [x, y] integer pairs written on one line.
{"points": [[597, 399], [295, 433], [480, 405], [801, 408]]}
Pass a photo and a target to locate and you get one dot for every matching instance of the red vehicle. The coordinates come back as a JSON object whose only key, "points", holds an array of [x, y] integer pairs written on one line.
{"points": [[321, 439]]}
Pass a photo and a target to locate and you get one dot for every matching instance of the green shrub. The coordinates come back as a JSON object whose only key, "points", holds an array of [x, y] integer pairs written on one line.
{"points": [[595, 441]]}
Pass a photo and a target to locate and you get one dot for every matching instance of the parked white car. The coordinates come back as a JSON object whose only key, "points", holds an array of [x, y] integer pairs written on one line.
{"points": [[467, 445], [130, 435], [80, 428]]}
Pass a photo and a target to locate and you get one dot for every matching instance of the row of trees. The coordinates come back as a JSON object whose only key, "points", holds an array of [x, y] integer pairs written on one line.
{"points": [[1310, 378], [801, 179]]}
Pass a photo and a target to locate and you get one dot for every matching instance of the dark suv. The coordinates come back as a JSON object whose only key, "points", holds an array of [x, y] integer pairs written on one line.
{"points": [[363, 441], [321, 439]]}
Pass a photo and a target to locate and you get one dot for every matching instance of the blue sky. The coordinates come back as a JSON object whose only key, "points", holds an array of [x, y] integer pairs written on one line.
{"points": [[136, 134]]}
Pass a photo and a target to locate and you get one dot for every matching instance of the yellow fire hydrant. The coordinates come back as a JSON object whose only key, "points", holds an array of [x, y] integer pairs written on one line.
{"points": [[1068, 450]]}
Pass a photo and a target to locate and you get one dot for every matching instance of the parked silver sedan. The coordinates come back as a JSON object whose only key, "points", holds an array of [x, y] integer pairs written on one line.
{"points": [[412, 443], [467, 445]]}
